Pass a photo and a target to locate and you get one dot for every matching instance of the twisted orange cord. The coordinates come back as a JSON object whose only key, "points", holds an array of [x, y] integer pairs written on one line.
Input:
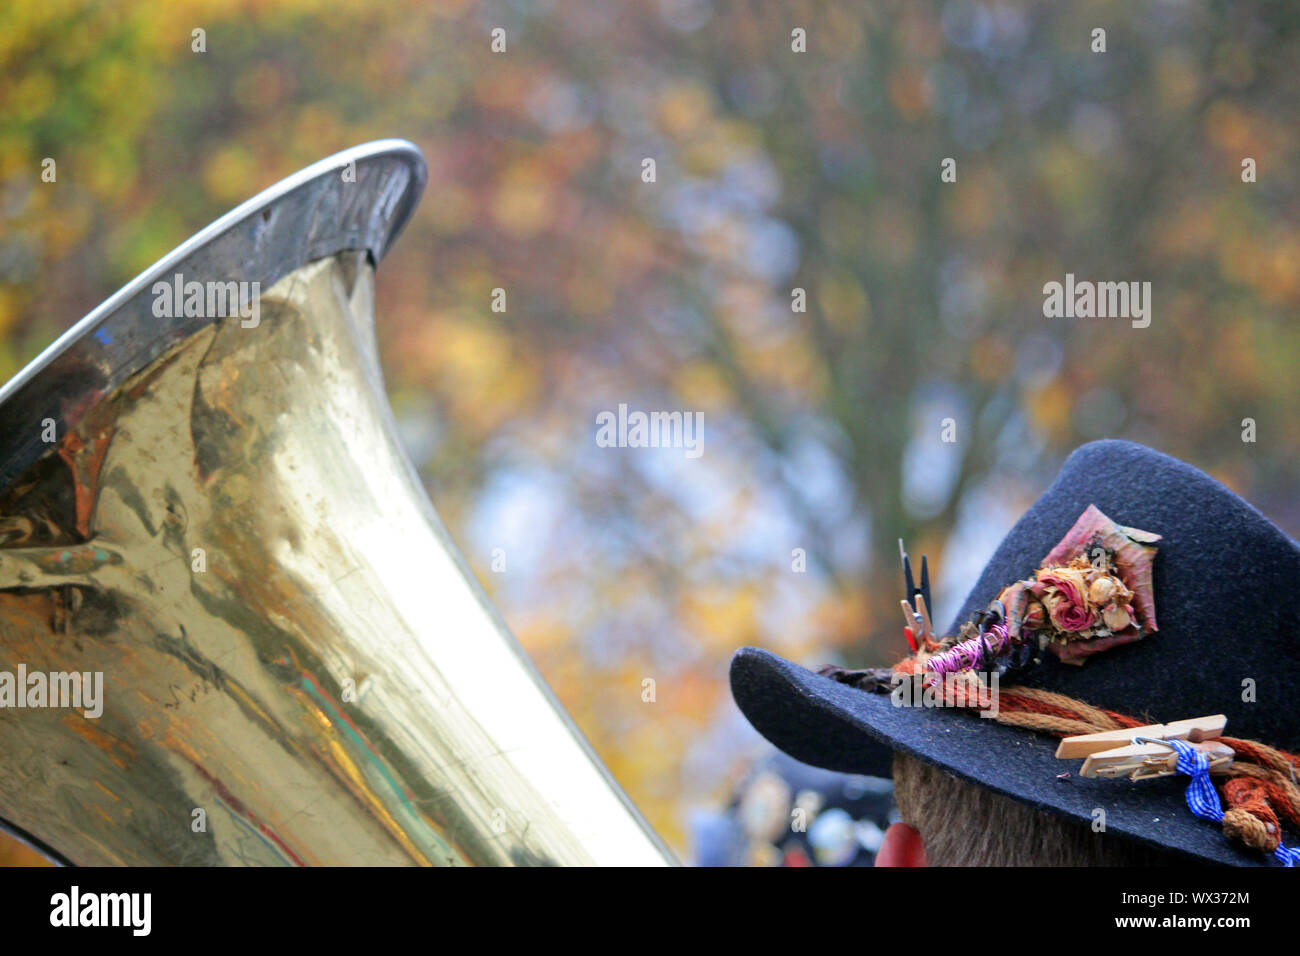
{"points": [[1262, 780]]}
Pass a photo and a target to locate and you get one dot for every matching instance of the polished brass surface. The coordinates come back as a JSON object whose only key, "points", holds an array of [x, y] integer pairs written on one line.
{"points": [[297, 667]]}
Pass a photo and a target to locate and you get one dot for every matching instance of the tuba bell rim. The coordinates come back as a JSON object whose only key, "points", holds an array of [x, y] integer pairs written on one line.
{"points": [[307, 216]]}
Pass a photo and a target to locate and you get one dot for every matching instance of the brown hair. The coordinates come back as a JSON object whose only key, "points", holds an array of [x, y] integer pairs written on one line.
{"points": [[965, 825]]}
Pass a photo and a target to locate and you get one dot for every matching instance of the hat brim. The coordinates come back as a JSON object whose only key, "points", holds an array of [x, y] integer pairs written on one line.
{"points": [[828, 724]]}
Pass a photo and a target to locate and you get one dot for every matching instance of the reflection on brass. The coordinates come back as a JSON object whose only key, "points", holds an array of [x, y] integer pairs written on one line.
{"points": [[14, 852], [297, 667]]}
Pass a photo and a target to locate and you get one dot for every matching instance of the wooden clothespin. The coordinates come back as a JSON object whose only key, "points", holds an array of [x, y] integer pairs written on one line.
{"points": [[924, 613], [1139, 752]]}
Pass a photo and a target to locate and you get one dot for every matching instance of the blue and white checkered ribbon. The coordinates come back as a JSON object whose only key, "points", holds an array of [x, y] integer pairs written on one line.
{"points": [[1202, 798]]}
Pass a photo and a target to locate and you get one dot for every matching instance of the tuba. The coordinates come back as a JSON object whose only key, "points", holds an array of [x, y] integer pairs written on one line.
{"points": [[233, 630]]}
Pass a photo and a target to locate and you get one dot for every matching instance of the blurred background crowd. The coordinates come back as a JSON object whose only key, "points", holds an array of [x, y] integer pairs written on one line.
{"points": [[775, 170]]}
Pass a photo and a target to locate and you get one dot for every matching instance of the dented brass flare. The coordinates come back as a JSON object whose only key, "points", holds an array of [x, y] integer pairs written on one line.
{"points": [[297, 666]]}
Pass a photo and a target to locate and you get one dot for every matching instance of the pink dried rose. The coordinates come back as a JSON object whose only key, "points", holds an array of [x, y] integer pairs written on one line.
{"points": [[1135, 553], [1130, 611], [1064, 595]]}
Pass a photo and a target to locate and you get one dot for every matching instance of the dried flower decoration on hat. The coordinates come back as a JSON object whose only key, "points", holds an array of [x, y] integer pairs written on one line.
{"points": [[1092, 592]]}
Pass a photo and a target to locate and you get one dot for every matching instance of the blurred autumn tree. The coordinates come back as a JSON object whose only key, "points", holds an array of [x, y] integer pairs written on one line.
{"points": [[775, 171]]}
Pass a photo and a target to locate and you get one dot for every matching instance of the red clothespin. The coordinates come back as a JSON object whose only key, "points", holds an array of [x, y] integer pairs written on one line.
{"points": [[911, 641]]}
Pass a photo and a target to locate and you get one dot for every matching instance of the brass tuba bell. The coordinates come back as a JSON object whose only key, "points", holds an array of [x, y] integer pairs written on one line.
{"points": [[232, 628]]}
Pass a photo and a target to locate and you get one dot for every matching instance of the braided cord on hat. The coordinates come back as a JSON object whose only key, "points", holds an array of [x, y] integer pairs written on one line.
{"points": [[1262, 779], [1204, 801]]}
